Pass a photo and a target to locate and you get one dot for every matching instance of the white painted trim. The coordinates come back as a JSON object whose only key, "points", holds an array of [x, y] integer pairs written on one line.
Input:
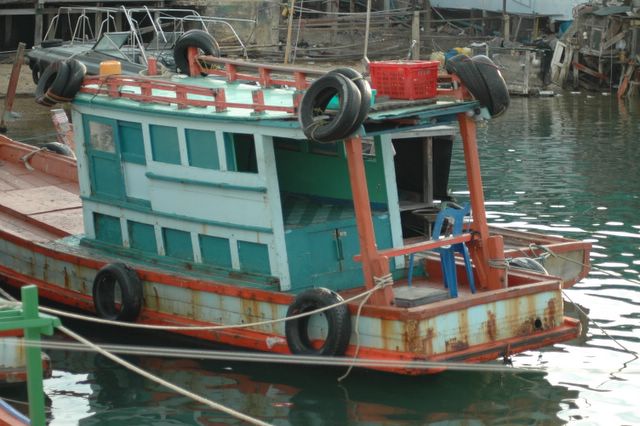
{"points": [[215, 120], [124, 228], [157, 229], [392, 196], [235, 255], [182, 146], [278, 259], [222, 153], [195, 244], [81, 154]]}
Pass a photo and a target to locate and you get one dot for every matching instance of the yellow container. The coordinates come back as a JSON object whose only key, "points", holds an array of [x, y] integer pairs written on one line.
{"points": [[110, 67]]}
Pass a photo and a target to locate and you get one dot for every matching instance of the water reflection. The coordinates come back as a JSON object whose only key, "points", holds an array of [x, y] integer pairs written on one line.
{"points": [[299, 395]]}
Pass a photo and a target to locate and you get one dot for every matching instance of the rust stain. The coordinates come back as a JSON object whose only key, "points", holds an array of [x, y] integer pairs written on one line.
{"points": [[428, 342], [492, 327], [65, 275], [550, 315], [156, 298], [455, 345], [411, 335]]}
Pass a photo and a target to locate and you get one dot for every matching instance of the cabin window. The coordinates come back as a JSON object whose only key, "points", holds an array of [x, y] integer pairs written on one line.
{"points": [[107, 229], [101, 137], [241, 152], [335, 149], [164, 144], [215, 251], [289, 144], [131, 142], [177, 244], [254, 257], [202, 149], [142, 237]]}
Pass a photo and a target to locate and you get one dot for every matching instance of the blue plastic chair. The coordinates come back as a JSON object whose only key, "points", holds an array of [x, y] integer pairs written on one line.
{"points": [[447, 253]]}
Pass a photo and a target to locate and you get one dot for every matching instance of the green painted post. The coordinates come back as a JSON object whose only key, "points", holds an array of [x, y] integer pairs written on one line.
{"points": [[33, 356]]}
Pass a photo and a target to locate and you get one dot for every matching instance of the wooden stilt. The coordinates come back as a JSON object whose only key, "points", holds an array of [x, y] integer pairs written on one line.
{"points": [[13, 85]]}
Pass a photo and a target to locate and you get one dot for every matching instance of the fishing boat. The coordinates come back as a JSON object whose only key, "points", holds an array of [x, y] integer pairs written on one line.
{"points": [[232, 206]]}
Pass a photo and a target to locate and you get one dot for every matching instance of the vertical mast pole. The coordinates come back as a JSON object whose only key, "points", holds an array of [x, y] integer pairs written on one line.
{"points": [[373, 265], [485, 248]]}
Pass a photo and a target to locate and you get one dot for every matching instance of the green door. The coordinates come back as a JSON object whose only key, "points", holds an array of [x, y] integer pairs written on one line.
{"points": [[103, 153]]}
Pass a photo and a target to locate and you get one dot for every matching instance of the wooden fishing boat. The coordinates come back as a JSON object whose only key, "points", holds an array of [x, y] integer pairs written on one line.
{"points": [[198, 201]]}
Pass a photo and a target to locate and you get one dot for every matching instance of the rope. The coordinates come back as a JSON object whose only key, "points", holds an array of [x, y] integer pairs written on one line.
{"points": [[150, 376], [364, 294], [161, 381], [501, 264], [381, 282]]}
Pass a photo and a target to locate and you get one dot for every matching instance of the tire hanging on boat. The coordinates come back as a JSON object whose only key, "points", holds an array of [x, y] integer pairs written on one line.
{"points": [[338, 320], [60, 82], [481, 77], [365, 95], [495, 83], [321, 127], [105, 301], [193, 38]]}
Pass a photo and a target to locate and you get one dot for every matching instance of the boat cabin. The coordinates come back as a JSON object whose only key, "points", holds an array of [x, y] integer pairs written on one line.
{"points": [[247, 193]]}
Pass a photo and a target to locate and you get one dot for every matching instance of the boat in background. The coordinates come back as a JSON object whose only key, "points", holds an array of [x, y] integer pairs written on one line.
{"points": [[131, 36], [236, 208]]}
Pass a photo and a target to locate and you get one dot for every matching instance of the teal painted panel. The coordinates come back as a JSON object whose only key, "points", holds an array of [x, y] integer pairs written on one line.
{"points": [[131, 142], [322, 171], [106, 176], [164, 144], [324, 257], [177, 244], [215, 251], [202, 149], [107, 229], [142, 237], [254, 257]]}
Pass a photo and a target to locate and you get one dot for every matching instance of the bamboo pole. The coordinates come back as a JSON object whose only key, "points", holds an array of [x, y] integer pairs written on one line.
{"points": [[289, 32]]}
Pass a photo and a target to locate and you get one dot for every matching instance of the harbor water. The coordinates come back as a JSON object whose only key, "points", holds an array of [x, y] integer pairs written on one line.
{"points": [[566, 165]]}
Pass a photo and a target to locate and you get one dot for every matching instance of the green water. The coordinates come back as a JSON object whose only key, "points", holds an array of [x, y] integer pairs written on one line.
{"points": [[565, 166]]}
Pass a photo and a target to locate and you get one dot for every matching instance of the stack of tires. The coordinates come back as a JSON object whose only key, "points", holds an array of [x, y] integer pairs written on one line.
{"points": [[354, 99], [60, 82]]}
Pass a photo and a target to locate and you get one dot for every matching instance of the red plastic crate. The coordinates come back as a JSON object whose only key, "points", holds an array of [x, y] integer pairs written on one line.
{"points": [[405, 79]]}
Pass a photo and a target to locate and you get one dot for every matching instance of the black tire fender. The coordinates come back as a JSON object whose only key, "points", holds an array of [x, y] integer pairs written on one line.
{"points": [[465, 68], [316, 125], [365, 95], [35, 70], [52, 81], [105, 282], [495, 83], [58, 148], [77, 71], [338, 320], [193, 38]]}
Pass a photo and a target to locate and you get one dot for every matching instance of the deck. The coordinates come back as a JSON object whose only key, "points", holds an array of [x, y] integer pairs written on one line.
{"points": [[38, 206]]}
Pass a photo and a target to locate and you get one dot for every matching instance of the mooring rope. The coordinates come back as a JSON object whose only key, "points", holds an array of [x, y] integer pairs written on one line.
{"points": [[364, 294], [381, 282], [150, 376]]}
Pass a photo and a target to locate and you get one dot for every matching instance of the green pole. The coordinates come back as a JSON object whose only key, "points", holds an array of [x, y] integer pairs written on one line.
{"points": [[33, 356]]}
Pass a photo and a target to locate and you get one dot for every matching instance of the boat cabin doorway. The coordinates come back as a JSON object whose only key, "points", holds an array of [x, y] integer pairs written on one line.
{"points": [[422, 162]]}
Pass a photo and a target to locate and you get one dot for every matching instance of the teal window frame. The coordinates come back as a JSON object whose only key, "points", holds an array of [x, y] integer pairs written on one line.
{"points": [[165, 148], [201, 152]]}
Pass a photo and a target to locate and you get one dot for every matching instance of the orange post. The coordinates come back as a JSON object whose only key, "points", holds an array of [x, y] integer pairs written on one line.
{"points": [[13, 85], [484, 248], [373, 264], [194, 67], [152, 66]]}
